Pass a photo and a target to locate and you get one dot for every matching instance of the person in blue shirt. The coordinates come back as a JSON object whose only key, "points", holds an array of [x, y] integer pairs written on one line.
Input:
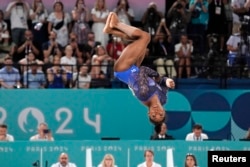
{"points": [[9, 75], [146, 84], [34, 78]]}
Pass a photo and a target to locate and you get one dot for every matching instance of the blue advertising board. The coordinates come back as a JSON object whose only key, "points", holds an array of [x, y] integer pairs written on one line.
{"points": [[126, 153], [93, 114]]}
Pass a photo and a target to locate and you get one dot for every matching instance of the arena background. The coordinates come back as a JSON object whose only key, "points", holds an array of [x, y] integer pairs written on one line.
{"points": [[138, 6]]}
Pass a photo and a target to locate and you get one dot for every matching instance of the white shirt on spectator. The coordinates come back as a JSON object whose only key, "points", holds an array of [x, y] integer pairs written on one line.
{"points": [[37, 138], [18, 16], [8, 138], [234, 41], [59, 165], [81, 81], [69, 61], [192, 137], [153, 165], [238, 4]]}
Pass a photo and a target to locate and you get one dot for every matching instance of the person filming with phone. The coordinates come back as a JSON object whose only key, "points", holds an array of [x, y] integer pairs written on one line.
{"points": [[44, 134]]}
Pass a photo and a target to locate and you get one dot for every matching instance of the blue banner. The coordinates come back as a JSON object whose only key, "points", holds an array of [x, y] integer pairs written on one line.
{"points": [[93, 114], [126, 153]]}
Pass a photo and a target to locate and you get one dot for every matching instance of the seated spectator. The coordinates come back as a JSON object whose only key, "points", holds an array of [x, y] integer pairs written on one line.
{"points": [[124, 12], [26, 46], [82, 79], [4, 33], [197, 134], [190, 161], [27, 60], [9, 76], [34, 78], [89, 48], [51, 48], [237, 44], [43, 133], [56, 75], [149, 160], [108, 161], [63, 161], [4, 136], [162, 51], [183, 51], [73, 38], [100, 62], [161, 133], [68, 63], [115, 47], [151, 18]]}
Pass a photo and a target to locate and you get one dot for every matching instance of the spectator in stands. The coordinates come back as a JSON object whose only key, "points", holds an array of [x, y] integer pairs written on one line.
{"points": [[9, 76], [99, 16], [56, 76], [90, 46], [25, 62], [162, 51], [100, 62], [149, 160], [73, 38], [18, 13], [59, 21], [217, 22], [124, 12], [183, 51], [82, 79], [229, 17], [51, 48], [190, 160], [238, 47], [199, 20], [4, 136], [68, 63], [115, 47], [34, 78], [151, 18], [81, 16], [108, 161], [161, 132], [27, 46], [38, 15], [238, 12], [197, 134], [180, 18], [4, 33], [63, 161], [43, 133]]}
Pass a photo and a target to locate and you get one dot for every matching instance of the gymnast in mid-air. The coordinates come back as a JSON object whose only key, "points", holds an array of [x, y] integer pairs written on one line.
{"points": [[146, 84]]}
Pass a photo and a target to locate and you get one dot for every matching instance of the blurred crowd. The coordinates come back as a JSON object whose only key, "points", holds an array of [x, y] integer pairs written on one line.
{"points": [[68, 49]]}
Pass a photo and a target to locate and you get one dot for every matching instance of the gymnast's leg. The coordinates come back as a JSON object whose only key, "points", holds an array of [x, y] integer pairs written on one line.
{"points": [[134, 53]]}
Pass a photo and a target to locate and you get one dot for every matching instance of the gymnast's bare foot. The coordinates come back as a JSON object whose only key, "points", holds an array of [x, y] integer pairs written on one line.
{"points": [[113, 20], [111, 23], [107, 29]]}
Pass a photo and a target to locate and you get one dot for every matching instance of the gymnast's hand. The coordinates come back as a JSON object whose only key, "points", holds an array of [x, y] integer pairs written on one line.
{"points": [[170, 83]]}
